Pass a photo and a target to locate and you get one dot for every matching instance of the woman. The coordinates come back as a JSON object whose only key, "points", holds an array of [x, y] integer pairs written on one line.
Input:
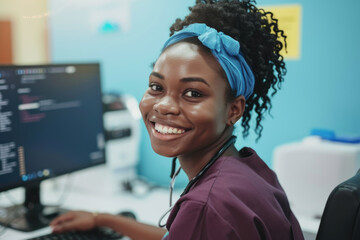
{"points": [[216, 68]]}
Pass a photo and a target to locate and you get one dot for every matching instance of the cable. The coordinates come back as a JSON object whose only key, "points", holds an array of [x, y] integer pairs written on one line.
{"points": [[66, 189]]}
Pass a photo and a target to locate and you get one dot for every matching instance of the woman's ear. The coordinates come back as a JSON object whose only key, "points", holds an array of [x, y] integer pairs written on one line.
{"points": [[236, 110]]}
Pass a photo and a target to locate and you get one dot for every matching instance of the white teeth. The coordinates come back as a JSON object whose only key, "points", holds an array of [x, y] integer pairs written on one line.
{"points": [[168, 130]]}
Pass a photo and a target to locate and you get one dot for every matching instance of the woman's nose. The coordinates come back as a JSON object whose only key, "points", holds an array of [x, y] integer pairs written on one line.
{"points": [[167, 105]]}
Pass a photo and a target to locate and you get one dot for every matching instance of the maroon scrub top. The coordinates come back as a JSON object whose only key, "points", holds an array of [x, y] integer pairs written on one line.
{"points": [[237, 198]]}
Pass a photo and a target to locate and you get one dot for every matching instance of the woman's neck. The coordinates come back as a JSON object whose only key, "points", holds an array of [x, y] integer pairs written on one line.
{"points": [[193, 163]]}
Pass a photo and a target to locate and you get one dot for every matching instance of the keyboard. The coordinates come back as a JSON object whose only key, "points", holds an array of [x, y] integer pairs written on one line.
{"points": [[94, 234]]}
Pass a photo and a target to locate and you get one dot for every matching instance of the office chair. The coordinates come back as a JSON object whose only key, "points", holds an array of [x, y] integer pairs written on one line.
{"points": [[341, 217]]}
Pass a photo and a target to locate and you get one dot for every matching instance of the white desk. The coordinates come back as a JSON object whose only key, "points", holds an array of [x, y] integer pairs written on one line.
{"points": [[95, 189]]}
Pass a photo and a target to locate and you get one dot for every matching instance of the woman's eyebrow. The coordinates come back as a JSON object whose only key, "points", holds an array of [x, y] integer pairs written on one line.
{"points": [[185, 80], [194, 79], [158, 75]]}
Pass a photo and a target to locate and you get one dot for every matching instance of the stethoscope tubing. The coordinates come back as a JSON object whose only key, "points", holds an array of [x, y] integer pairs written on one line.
{"points": [[174, 174]]}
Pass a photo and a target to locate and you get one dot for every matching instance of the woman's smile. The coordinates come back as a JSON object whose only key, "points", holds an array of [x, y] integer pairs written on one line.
{"points": [[166, 131], [163, 129]]}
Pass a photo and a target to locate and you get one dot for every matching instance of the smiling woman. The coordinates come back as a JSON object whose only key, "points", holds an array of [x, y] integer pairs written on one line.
{"points": [[218, 67]]}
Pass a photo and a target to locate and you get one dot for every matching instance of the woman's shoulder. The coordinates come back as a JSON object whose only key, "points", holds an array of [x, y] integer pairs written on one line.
{"points": [[249, 167], [244, 177], [244, 184]]}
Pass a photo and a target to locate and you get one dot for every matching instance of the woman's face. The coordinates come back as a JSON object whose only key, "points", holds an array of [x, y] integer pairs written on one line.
{"points": [[185, 109]]}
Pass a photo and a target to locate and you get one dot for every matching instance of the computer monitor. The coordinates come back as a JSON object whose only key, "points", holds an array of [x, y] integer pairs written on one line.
{"points": [[50, 124]]}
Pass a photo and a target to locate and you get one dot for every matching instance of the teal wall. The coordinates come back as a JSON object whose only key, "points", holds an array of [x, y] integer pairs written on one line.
{"points": [[321, 89]]}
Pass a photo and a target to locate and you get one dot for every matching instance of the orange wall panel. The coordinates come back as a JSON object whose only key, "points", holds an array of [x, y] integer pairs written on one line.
{"points": [[5, 42]]}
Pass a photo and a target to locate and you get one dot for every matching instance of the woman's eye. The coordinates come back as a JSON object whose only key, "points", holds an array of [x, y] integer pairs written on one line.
{"points": [[193, 94], [155, 87]]}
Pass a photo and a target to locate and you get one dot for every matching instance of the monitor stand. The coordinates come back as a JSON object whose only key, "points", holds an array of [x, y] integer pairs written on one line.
{"points": [[31, 215]]}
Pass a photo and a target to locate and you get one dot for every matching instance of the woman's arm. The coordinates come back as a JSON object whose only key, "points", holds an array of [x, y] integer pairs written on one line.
{"points": [[81, 220], [129, 227]]}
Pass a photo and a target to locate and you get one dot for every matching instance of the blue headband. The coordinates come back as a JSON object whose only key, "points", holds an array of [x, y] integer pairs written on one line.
{"points": [[227, 52]]}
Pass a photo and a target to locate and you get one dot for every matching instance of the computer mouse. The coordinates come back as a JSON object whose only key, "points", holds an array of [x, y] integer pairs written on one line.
{"points": [[108, 233], [128, 214]]}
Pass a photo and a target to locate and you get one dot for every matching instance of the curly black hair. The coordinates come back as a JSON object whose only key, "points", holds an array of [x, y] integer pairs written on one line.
{"points": [[259, 37]]}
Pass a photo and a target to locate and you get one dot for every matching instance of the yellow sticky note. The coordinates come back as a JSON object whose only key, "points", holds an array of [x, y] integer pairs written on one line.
{"points": [[289, 17]]}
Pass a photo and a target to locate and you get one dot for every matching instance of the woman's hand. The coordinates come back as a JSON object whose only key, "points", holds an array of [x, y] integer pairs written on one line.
{"points": [[82, 221], [74, 220]]}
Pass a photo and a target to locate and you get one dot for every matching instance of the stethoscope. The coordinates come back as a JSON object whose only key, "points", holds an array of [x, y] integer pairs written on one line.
{"points": [[174, 173]]}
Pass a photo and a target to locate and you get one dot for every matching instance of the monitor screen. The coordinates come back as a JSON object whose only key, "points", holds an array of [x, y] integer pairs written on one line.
{"points": [[50, 121]]}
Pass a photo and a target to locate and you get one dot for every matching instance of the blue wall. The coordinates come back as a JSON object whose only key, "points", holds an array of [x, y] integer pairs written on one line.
{"points": [[320, 89]]}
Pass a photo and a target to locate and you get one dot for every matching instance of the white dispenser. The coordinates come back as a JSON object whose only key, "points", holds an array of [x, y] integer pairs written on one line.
{"points": [[309, 170]]}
